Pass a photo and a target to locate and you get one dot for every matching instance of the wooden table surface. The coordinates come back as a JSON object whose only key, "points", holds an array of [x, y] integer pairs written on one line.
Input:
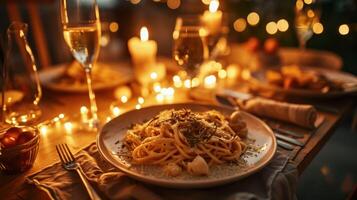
{"points": [[14, 186]]}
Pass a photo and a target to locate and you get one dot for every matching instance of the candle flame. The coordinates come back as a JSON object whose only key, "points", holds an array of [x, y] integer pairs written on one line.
{"points": [[144, 34], [213, 6]]}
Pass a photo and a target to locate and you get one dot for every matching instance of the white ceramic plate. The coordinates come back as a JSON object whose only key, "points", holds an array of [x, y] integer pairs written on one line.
{"points": [[116, 129], [338, 76], [121, 72]]}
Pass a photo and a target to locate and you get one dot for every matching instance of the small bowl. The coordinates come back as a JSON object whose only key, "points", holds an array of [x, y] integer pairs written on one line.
{"points": [[20, 157]]}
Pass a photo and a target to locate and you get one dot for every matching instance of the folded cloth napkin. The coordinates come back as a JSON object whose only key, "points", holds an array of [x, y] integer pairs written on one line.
{"points": [[278, 180], [299, 114]]}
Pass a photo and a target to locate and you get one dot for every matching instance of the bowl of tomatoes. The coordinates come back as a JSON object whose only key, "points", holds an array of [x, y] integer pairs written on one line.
{"points": [[18, 148]]}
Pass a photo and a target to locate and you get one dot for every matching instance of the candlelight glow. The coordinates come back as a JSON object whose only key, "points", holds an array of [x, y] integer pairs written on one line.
{"points": [[141, 100], [187, 83], [195, 82], [232, 71], [222, 74], [157, 87], [210, 81], [308, 1], [115, 111], [137, 106], [213, 6], [253, 18], [153, 75], [84, 110], [68, 126], [159, 98], [113, 27], [239, 25], [271, 28], [317, 28], [43, 130], [343, 29], [144, 34], [299, 5], [283, 25], [61, 116], [173, 4], [124, 99]]}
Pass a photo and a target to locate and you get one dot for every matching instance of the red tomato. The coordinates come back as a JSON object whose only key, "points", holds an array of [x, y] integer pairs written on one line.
{"points": [[8, 142], [25, 137]]}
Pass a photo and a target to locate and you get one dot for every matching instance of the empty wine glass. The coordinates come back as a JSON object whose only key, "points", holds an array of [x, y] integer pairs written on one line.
{"points": [[82, 31], [190, 48], [21, 89], [306, 15]]}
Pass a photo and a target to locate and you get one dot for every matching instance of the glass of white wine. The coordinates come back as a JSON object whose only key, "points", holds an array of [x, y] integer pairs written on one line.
{"points": [[190, 48], [306, 15], [82, 31]]}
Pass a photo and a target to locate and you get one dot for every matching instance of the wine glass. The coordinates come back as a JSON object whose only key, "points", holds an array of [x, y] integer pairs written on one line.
{"points": [[82, 32], [306, 15], [21, 90], [190, 48]]}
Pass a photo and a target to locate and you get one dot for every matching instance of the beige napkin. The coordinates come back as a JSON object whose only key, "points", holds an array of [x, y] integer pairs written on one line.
{"points": [[299, 114], [278, 180]]}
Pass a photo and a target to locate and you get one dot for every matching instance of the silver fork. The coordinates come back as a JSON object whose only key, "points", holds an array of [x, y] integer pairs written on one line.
{"points": [[70, 163]]}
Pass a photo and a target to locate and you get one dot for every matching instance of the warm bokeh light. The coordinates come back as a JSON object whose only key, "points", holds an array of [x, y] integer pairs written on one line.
{"points": [[310, 13], [299, 4], [343, 29], [68, 126], [308, 1], [173, 4], [271, 28], [141, 100], [43, 130], [206, 2], [317, 28], [222, 74], [253, 18], [283, 25], [213, 6], [210, 81], [115, 111], [135, 1], [240, 25], [153, 75], [113, 27], [144, 34]]}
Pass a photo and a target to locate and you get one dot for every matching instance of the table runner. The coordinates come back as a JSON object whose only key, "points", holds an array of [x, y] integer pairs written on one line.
{"points": [[278, 180]]}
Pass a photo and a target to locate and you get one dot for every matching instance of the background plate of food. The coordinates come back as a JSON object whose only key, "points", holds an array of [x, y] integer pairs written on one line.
{"points": [[71, 77], [306, 81], [187, 145]]}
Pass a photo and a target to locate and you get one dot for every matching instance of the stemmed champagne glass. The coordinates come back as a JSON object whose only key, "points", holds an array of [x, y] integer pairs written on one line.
{"points": [[190, 48], [306, 15], [82, 31]]}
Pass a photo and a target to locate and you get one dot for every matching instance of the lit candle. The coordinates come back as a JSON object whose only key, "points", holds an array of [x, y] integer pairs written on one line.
{"points": [[143, 53], [212, 18]]}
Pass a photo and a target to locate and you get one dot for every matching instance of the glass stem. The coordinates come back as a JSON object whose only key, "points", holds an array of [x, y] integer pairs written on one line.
{"points": [[93, 103], [302, 51]]}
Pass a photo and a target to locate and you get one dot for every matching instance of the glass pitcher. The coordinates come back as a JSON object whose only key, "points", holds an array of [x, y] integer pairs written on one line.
{"points": [[21, 92]]}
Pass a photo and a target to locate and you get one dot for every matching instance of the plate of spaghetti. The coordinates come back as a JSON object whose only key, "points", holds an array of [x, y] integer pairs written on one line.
{"points": [[187, 145]]}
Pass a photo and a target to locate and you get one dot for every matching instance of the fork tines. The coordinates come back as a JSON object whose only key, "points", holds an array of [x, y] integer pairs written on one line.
{"points": [[64, 153]]}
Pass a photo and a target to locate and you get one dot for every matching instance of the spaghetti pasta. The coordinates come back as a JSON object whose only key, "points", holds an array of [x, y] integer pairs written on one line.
{"points": [[186, 140]]}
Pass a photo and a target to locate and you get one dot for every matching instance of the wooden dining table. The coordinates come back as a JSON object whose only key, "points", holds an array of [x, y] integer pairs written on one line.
{"points": [[54, 103]]}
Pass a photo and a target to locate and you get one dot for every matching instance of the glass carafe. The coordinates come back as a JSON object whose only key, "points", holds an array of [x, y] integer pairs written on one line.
{"points": [[21, 92]]}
